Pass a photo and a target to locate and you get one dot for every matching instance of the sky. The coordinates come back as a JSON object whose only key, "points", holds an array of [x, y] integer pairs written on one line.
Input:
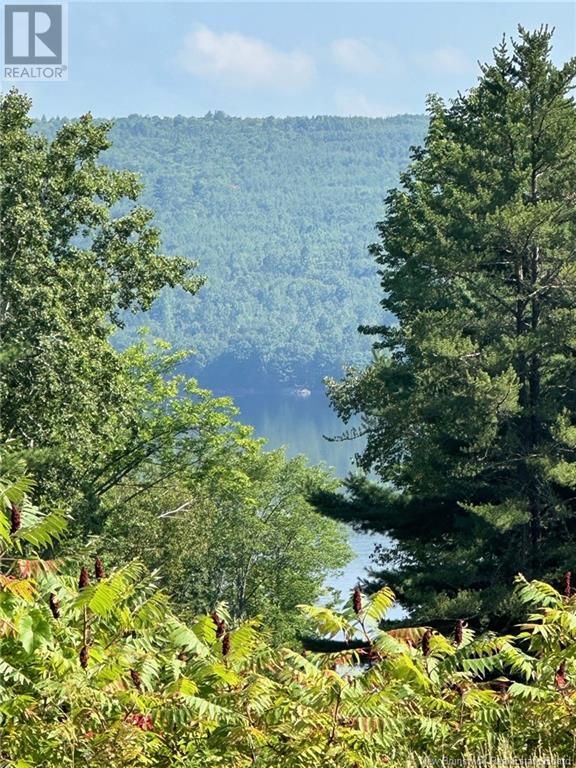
{"points": [[275, 58]]}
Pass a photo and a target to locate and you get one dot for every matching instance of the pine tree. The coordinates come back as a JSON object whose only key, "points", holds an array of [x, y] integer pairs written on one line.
{"points": [[469, 406]]}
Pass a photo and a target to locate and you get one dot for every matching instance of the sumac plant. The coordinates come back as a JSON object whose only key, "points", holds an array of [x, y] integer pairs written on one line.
{"points": [[106, 674]]}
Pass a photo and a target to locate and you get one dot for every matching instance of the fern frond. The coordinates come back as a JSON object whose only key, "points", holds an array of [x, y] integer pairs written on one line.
{"points": [[42, 531], [379, 604], [25, 589], [327, 622], [106, 595], [530, 692], [537, 592], [184, 638]]}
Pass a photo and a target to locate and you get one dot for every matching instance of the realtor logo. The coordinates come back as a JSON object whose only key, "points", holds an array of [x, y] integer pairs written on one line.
{"points": [[34, 42]]}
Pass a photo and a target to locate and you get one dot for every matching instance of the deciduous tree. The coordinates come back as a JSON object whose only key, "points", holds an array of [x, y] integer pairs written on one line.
{"points": [[76, 251]]}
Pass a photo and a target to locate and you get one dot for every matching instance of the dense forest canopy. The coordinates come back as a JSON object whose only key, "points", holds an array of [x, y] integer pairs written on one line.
{"points": [[278, 213], [198, 638], [144, 461]]}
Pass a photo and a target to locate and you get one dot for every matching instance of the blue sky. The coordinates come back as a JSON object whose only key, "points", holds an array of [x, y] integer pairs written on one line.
{"points": [[268, 58]]}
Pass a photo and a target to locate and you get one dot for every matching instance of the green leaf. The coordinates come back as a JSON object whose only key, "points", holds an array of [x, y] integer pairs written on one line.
{"points": [[379, 604]]}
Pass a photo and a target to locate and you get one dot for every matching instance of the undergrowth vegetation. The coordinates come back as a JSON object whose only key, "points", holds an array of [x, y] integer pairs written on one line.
{"points": [[96, 669]]}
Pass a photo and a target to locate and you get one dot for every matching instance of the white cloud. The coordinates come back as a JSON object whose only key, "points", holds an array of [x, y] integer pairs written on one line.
{"points": [[353, 55], [361, 58], [364, 58], [351, 103], [449, 61], [245, 61]]}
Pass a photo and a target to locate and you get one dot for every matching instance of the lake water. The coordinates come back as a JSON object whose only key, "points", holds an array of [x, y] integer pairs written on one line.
{"points": [[299, 424]]}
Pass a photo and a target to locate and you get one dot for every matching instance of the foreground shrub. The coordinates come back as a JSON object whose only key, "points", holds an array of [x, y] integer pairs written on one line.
{"points": [[95, 670]]}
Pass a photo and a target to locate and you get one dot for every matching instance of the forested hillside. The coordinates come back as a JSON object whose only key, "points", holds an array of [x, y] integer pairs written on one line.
{"points": [[278, 213], [162, 572]]}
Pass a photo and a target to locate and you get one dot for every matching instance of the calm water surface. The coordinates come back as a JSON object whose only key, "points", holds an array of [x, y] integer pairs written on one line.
{"points": [[299, 424]]}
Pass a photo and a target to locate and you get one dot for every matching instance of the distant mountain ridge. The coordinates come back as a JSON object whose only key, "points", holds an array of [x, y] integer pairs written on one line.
{"points": [[279, 213]]}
